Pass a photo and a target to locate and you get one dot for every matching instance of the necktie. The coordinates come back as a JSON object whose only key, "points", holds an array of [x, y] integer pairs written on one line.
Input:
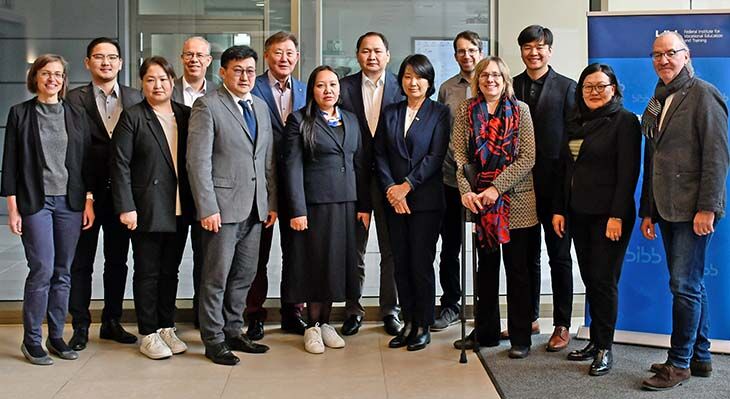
{"points": [[249, 118]]}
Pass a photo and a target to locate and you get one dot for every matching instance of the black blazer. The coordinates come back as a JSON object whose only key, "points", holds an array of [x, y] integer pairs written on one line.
{"points": [[100, 153], [336, 173], [554, 109], [351, 97], [143, 173], [23, 159], [418, 157], [602, 180]]}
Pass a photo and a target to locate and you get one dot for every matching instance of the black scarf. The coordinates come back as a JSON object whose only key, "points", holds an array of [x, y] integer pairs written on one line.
{"points": [[653, 111], [588, 121]]}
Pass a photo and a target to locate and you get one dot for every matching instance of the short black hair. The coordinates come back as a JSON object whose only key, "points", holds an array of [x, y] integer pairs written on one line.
{"points": [[593, 68], [471, 36], [422, 67], [100, 40], [238, 53], [156, 60], [536, 33], [368, 34]]}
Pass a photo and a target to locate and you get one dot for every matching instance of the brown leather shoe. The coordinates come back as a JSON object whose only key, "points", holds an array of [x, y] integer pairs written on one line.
{"points": [[559, 340], [667, 377], [504, 335]]}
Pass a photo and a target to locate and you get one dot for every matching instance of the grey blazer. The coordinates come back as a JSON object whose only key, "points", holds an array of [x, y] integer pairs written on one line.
{"points": [[686, 164], [227, 170], [177, 91]]}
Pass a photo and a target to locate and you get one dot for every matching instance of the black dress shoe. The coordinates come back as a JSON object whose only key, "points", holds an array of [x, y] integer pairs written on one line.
{"points": [[518, 352], [420, 339], [406, 333], [602, 362], [221, 354], [79, 339], [242, 343], [255, 330], [587, 353], [111, 329], [352, 325], [392, 325], [294, 325]]}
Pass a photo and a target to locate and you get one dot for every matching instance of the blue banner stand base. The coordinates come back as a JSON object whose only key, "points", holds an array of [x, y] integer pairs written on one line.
{"points": [[651, 339]]}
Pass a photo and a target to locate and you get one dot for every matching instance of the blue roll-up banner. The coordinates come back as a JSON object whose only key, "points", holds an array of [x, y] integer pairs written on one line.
{"points": [[624, 41]]}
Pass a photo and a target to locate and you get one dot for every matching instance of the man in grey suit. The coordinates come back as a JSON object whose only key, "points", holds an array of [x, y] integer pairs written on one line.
{"points": [[685, 169], [233, 180]]}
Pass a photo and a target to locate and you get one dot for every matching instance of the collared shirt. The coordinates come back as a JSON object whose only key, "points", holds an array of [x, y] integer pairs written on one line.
{"points": [[532, 89], [452, 93], [282, 96], [236, 99], [169, 126], [109, 106], [372, 99], [190, 94]]}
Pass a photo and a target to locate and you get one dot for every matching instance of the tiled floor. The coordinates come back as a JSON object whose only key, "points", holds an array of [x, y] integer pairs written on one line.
{"points": [[366, 369]]}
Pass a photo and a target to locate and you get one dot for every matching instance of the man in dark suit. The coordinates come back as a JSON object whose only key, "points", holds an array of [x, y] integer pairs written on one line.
{"points": [[103, 99], [232, 172], [283, 94], [189, 87], [684, 190], [366, 94], [551, 98]]}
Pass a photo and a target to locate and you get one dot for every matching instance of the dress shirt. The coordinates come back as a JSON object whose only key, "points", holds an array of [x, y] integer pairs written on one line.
{"points": [[372, 99], [282, 96], [109, 106], [236, 99], [190, 94]]}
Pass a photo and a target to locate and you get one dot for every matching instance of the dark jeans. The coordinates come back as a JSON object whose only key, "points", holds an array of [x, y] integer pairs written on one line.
{"points": [[451, 225], [413, 239], [116, 250], [49, 240], [600, 261], [686, 252], [518, 257], [561, 267], [157, 259]]}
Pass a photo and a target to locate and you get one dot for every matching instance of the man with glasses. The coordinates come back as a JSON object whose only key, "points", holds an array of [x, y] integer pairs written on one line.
{"points": [[283, 94], [232, 175], [551, 98], [467, 52], [685, 168], [103, 99], [189, 87]]}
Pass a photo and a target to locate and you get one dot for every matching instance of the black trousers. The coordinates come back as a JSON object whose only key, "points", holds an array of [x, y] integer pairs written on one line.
{"points": [[450, 249], [561, 267], [600, 261], [157, 258], [116, 250], [413, 241], [518, 256]]}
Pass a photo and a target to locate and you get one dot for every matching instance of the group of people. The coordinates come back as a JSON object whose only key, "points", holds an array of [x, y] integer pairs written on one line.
{"points": [[525, 156]]}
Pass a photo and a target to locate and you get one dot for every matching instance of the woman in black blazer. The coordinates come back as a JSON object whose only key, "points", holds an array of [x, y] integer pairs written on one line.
{"points": [[45, 182], [410, 146], [152, 195], [598, 174], [324, 176]]}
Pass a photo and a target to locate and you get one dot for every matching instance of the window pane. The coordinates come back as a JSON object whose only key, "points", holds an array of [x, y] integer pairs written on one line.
{"points": [[227, 8]]}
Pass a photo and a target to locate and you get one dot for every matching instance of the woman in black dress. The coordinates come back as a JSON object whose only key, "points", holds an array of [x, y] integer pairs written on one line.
{"points": [[324, 166]]}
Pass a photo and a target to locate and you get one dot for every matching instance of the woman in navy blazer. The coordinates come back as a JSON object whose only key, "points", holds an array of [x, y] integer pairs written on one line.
{"points": [[410, 146]]}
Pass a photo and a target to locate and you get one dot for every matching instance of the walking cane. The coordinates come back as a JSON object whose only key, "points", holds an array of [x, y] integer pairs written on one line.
{"points": [[475, 293], [462, 312]]}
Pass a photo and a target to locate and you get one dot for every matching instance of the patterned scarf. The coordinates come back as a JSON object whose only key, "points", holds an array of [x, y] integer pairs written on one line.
{"points": [[495, 144], [653, 111]]}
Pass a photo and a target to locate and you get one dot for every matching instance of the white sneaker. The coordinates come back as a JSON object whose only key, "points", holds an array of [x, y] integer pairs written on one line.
{"points": [[173, 342], [313, 340], [154, 347], [331, 338]]}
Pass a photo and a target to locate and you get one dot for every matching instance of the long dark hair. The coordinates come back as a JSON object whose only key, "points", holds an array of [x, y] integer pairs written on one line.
{"points": [[311, 111]]}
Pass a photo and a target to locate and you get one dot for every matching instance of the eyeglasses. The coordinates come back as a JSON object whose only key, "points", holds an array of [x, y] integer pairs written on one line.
{"points": [[493, 75], [48, 74], [540, 48], [657, 56], [189, 55], [471, 51], [237, 72], [587, 89], [102, 57]]}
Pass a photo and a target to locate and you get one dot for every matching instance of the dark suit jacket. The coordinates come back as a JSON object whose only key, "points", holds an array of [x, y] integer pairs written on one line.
{"points": [[299, 99], [351, 98], [549, 118], [416, 158], [602, 180], [336, 172], [100, 154], [23, 158], [143, 173]]}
